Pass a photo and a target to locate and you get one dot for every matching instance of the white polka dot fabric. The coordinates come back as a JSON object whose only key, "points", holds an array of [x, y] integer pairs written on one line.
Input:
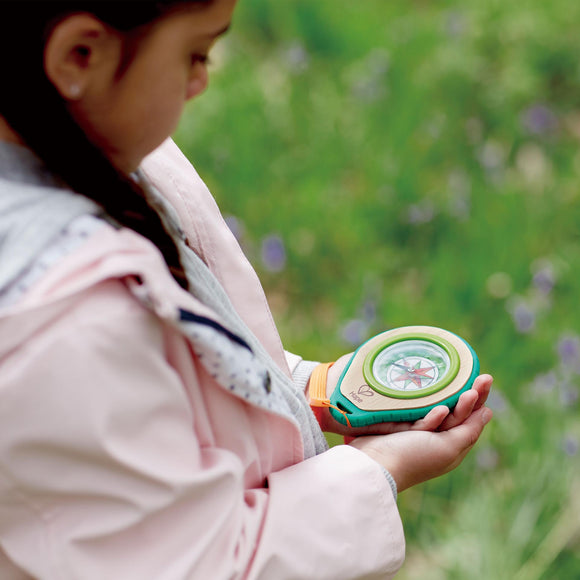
{"points": [[234, 366], [65, 242]]}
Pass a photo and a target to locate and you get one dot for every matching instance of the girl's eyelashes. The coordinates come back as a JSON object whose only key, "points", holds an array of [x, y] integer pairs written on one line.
{"points": [[201, 58]]}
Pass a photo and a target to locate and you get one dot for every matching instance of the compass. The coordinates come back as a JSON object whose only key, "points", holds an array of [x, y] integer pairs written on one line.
{"points": [[401, 374]]}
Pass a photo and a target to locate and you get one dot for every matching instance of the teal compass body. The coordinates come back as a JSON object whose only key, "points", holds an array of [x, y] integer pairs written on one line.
{"points": [[401, 374]]}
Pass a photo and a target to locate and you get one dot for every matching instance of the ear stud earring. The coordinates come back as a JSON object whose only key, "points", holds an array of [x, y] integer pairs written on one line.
{"points": [[74, 91]]}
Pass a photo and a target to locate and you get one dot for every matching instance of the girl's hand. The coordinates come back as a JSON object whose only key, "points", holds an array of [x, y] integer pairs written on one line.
{"points": [[439, 418], [415, 456]]}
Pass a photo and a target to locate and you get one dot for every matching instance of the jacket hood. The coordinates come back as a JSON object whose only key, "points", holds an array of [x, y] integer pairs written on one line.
{"points": [[34, 208]]}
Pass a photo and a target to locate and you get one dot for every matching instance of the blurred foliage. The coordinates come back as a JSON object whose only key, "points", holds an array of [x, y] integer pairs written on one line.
{"points": [[386, 164]]}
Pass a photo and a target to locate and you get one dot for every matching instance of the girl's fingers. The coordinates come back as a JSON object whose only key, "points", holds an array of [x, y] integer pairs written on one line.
{"points": [[466, 435], [464, 408], [432, 420], [482, 386], [469, 402]]}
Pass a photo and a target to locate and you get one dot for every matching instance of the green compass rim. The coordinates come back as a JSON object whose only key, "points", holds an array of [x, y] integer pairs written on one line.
{"points": [[447, 379]]}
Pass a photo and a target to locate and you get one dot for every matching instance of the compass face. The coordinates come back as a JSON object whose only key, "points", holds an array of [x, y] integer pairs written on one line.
{"points": [[411, 365]]}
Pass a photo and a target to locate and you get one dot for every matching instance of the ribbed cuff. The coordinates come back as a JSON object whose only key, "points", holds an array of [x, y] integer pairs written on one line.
{"points": [[392, 483], [302, 372]]}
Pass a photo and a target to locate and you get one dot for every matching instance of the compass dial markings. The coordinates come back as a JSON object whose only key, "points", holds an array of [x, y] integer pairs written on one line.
{"points": [[416, 374]]}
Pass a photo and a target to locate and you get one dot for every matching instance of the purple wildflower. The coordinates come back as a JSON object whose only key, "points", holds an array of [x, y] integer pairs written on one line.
{"points": [[569, 350], [544, 384], [369, 310], [497, 402], [524, 317], [421, 213], [455, 24], [539, 120], [544, 277], [296, 58], [544, 281], [492, 156], [355, 331], [273, 253], [368, 78], [570, 445], [568, 395]]}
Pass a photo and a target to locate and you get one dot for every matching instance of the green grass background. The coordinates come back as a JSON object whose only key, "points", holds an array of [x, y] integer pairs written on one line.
{"points": [[395, 163]]}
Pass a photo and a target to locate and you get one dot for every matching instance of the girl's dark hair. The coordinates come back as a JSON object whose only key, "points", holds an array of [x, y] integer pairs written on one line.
{"points": [[33, 107]]}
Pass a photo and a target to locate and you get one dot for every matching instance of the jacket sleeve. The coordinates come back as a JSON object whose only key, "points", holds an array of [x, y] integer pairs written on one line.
{"points": [[102, 474]]}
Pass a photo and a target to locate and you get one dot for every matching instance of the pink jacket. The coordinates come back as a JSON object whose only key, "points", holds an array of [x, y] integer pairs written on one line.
{"points": [[121, 457]]}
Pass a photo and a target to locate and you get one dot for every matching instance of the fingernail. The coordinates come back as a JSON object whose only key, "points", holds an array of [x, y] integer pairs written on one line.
{"points": [[486, 416]]}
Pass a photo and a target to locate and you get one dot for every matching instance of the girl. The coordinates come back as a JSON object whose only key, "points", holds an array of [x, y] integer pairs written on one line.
{"points": [[151, 425]]}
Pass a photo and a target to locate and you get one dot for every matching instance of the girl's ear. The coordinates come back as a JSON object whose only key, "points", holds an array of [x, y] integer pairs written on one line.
{"points": [[79, 50]]}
